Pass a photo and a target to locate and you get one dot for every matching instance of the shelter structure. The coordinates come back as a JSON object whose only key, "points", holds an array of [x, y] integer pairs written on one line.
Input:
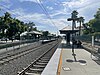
{"points": [[68, 31], [34, 35]]}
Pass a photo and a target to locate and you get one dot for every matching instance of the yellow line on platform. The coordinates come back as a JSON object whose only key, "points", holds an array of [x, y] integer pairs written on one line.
{"points": [[60, 64]]}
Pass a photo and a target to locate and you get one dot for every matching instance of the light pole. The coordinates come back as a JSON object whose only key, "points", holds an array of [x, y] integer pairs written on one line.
{"points": [[92, 31], [73, 19], [19, 39], [6, 37], [28, 37]]}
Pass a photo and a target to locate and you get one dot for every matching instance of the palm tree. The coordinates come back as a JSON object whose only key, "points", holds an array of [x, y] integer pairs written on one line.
{"points": [[1, 26], [6, 22], [74, 18], [81, 21], [74, 15], [30, 26]]}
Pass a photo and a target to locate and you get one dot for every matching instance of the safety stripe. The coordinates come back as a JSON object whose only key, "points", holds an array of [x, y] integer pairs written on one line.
{"points": [[60, 64]]}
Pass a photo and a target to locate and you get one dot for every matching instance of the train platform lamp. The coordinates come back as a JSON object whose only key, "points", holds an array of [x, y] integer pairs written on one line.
{"points": [[93, 33], [93, 38], [73, 19], [19, 39]]}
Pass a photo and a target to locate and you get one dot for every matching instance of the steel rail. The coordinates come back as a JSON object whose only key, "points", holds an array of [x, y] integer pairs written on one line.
{"points": [[19, 54], [26, 69]]}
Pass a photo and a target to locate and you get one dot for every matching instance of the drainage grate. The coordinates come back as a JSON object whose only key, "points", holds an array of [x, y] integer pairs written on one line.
{"points": [[66, 69], [83, 64]]}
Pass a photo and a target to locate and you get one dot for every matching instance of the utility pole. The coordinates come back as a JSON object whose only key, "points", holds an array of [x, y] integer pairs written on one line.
{"points": [[73, 19]]}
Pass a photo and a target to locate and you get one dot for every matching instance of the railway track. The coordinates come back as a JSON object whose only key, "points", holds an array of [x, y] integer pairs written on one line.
{"points": [[16, 62], [18, 54], [38, 65], [19, 49]]}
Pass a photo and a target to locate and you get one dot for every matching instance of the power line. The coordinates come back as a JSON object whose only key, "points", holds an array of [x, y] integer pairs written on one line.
{"points": [[9, 10], [42, 7], [46, 12]]}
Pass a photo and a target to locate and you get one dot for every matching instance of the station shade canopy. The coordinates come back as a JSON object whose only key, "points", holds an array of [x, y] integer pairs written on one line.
{"points": [[35, 32], [68, 29], [31, 32], [24, 33]]}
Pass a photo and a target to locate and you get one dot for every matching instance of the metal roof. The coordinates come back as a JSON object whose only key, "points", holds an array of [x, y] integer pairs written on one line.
{"points": [[31, 32], [68, 29], [24, 33], [35, 32]]}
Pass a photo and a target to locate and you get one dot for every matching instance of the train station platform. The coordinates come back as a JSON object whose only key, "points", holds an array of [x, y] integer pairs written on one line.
{"points": [[64, 63]]}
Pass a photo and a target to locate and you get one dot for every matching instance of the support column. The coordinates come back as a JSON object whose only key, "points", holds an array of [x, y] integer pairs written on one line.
{"points": [[68, 38], [92, 40]]}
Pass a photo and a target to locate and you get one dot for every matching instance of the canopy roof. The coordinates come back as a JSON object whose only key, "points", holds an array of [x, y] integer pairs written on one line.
{"points": [[24, 33], [31, 32], [68, 29], [35, 32]]}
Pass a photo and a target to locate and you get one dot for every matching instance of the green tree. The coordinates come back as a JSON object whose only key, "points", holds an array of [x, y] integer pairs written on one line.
{"points": [[95, 23], [45, 34], [4, 23], [81, 21], [31, 26], [10, 27]]}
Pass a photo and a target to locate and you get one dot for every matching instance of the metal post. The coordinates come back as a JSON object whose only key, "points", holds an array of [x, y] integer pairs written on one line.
{"points": [[80, 29], [19, 40], [92, 40], [73, 19], [73, 36], [73, 53], [6, 39]]}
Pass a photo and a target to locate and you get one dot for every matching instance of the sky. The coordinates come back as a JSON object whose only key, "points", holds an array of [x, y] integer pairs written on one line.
{"points": [[49, 15]]}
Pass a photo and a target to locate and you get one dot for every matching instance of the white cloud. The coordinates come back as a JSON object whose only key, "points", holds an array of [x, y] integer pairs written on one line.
{"points": [[41, 19], [6, 4], [59, 12], [89, 11], [82, 6], [78, 3], [5, 1], [29, 0], [31, 17], [60, 23], [35, 1], [17, 12], [85, 8], [50, 8]]}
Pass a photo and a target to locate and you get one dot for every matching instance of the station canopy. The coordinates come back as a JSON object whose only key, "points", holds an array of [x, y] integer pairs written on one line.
{"points": [[31, 32], [68, 29], [35, 32]]}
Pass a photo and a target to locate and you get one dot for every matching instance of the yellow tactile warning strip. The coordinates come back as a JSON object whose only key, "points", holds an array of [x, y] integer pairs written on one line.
{"points": [[60, 63]]}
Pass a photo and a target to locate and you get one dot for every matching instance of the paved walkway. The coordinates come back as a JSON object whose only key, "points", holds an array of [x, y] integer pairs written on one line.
{"points": [[63, 62], [83, 65]]}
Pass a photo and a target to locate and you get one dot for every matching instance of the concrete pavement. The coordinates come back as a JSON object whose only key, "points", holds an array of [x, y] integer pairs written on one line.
{"points": [[83, 65], [63, 62]]}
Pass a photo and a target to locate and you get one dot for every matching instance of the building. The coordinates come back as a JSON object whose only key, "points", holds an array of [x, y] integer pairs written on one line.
{"points": [[68, 31], [32, 35]]}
